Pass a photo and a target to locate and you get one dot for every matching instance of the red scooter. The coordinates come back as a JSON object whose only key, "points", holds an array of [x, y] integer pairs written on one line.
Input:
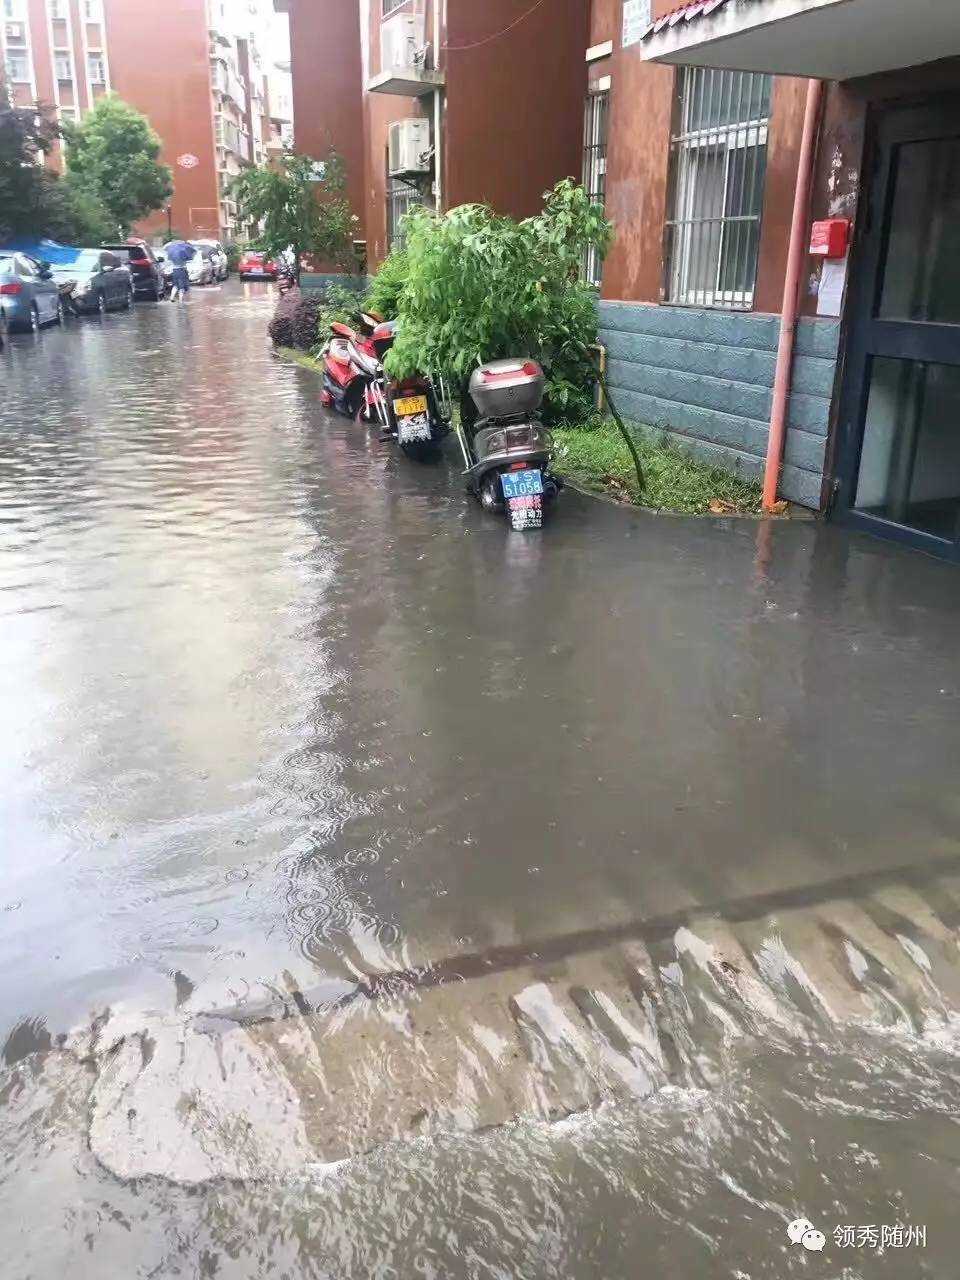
{"points": [[350, 365]]}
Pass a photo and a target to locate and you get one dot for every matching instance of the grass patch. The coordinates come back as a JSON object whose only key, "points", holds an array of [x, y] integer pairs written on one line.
{"points": [[594, 456], [293, 356]]}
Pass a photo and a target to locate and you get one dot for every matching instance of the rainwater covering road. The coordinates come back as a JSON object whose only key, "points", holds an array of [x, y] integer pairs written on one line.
{"points": [[386, 894]]}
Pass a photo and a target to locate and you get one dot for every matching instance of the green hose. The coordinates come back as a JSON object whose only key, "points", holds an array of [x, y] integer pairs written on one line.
{"points": [[585, 351], [623, 431]]}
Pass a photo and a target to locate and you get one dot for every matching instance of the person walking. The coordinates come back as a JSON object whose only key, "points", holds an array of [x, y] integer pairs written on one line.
{"points": [[179, 253]]}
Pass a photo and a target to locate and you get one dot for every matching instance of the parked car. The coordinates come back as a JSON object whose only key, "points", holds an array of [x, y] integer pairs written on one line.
{"points": [[218, 256], [146, 272], [29, 297], [199, 268], [254, 266], [210, 264], [98, 281]]}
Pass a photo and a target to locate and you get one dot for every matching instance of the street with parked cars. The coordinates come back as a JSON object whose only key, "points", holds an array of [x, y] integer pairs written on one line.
{"points": [[111, 277]]}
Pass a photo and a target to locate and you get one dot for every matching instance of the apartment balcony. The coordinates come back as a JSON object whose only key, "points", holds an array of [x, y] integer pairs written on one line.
{"points": [[406, 82], [226, 82], [229, 138]]}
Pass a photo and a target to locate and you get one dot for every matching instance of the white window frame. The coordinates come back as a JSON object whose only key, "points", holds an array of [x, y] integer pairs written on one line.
{"points": [[65, 57], [596, 139], [96, 82], [22, 57], [685, 231]]}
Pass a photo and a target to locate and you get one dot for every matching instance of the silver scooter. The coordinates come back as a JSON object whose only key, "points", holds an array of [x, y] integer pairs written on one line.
{"points": [[507, 450]]}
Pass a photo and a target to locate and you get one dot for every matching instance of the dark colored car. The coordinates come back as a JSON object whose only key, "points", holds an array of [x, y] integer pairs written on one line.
{"points": [[97, 281], [145, 270]]}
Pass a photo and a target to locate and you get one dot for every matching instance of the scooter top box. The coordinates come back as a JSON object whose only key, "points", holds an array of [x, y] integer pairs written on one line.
{"points": [[503, 388]]}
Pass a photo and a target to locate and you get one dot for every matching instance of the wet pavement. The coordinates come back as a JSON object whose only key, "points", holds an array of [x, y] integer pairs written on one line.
{"points": [[387, 894]]}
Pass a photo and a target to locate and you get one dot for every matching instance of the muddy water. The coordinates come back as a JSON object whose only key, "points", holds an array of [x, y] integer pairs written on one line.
{"points": [[296, 740]]}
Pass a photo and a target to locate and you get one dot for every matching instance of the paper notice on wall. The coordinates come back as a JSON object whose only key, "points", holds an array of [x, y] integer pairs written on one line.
{"points": [[833, 279], [636, 19]]}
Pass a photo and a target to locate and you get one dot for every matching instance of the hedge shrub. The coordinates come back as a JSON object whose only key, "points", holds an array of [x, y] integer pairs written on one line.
{"points": [[295, 320]]}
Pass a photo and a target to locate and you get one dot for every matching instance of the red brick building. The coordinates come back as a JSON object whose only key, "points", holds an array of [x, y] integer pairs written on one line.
{"points": [[193, 68], [688, 122], [360, 66]]}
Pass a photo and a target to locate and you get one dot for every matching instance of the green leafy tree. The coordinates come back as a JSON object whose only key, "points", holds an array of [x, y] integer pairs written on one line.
{"points": [[113, 156], [295, 211], [25, 134], [481, 287], [74, 215], [387, 285]]}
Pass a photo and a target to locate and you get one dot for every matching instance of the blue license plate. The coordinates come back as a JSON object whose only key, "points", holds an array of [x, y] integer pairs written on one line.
{"points": [[521, 484]]}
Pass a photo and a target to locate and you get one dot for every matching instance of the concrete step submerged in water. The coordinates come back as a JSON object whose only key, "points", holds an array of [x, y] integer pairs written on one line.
{"points": [[406, 1055]]}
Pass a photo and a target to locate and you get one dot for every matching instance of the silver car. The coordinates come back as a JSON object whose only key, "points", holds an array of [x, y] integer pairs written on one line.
{"points": [[217, 255], [29, 297]]}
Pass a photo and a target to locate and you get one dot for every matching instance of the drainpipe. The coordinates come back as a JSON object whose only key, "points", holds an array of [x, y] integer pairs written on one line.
{"points": [[437, 112], [791, 294]]}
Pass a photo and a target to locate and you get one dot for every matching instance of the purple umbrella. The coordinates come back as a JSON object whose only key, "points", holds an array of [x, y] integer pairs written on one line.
{"points": [[179, 252]]}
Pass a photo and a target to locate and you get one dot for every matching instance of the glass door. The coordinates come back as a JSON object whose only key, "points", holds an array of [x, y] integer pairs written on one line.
{"points": [[899, 461]]}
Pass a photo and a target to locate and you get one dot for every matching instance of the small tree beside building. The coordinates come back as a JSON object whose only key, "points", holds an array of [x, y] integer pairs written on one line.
{"points": [[112, 156], [34, 201], [297, 208]]}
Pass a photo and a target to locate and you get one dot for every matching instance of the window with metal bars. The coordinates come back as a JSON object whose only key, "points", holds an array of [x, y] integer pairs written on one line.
{"points": [[595, 169], [718, 162], [401, 198], [390, 5]]}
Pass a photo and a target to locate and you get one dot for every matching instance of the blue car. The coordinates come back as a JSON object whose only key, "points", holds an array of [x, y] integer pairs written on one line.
{"points": [[29, 296]]}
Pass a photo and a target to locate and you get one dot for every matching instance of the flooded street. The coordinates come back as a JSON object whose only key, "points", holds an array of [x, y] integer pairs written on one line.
{"points": [[385, 894]]}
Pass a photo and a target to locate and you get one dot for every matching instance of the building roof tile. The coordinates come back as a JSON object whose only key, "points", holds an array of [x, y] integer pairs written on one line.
{"points": [[684, 13]]}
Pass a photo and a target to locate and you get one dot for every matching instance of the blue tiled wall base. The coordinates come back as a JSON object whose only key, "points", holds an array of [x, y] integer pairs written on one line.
{"points": [[706, 378]]}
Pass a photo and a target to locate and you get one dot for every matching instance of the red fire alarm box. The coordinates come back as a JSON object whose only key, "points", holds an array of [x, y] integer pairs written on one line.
{"points": [[828, 239]]}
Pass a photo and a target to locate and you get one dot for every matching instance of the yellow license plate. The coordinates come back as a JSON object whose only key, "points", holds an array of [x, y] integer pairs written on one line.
{"points": [[411, 404]]}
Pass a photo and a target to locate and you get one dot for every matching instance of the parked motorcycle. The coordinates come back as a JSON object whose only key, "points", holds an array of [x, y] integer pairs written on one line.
{"points": [[414, 411], [507, 449], [350, 364]]}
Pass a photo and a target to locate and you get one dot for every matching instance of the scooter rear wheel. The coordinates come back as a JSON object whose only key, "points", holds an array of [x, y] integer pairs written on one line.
{"points": [[489, 492]]}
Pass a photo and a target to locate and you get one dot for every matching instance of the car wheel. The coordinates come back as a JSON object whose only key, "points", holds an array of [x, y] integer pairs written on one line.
{"points": [[128, 300], [101, 304], [58, 318], [4, 329], [34, 319]]}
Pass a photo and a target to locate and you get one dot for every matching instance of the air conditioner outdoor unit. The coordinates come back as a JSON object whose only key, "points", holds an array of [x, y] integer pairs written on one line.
{"points": [[16, 32], [409, 150], [402, 39]]}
